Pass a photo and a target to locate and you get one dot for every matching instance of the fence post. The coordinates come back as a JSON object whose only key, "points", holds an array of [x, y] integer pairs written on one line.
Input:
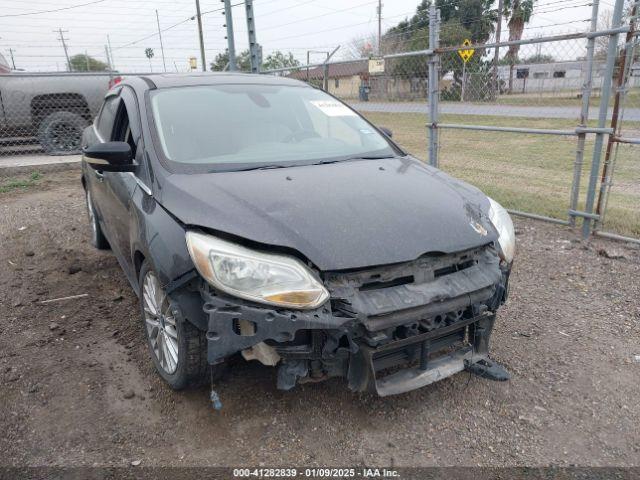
{"points": [[584, 115], [325, 77], [602, 116], [434, 74], [624, 73]]}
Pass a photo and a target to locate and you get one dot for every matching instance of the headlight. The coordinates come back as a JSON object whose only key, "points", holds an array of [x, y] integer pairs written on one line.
{"points": [[262, 277], [506, 234]]}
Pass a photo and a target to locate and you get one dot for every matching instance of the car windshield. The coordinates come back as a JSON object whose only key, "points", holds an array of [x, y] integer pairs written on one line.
{"points": [[234, 127]]}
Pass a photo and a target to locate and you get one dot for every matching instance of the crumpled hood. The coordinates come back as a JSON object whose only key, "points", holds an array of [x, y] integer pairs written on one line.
{"points": [[340, 216]]}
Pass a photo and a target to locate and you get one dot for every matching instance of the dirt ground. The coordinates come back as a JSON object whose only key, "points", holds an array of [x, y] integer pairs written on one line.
{"points": [[77, 385]]}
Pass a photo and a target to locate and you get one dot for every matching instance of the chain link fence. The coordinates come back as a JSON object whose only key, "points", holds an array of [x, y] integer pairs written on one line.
{"points": [[550, 129], [509, 127], [530, 129], [618, 203], [46, 113]]}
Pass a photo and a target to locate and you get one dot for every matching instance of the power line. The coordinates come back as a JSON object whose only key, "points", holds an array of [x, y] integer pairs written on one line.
{"points": [[563, 8], [335, 28], [318, 16], [287, 8], [192, 17], [50, 11]]}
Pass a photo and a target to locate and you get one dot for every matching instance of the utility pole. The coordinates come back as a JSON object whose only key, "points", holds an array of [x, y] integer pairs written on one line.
{"points": [[64, 45], [251, 32], [113, 62], [230, 40], [12, 60], [204, 62], [380, 26], [106, 54], [496, 53], [161, 46]]}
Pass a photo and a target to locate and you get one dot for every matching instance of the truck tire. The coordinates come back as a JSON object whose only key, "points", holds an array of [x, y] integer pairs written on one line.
{"points": [[60, 133]]}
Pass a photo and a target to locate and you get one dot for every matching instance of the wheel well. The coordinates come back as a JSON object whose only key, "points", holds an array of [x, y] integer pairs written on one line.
{"points": [[43, 105]]}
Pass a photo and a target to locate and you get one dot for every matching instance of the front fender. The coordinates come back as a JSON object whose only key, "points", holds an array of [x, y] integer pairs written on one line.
{"points": [[160, 238]]}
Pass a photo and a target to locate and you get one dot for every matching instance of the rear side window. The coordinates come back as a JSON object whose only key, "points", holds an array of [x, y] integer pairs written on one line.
{"points": [[107, 117]]}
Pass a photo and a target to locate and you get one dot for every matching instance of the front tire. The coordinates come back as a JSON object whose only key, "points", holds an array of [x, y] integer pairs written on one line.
{"points": [[178, 349]]}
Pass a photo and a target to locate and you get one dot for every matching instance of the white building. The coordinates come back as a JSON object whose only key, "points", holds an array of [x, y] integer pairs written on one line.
{"points": [[557, 76]]}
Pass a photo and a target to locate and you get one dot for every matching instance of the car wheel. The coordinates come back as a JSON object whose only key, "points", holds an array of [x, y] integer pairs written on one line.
{"points": [[178, 348], [60, 133], [98, 239]]}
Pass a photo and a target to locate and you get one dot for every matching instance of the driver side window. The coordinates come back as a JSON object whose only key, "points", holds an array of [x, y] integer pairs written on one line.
{"points": [[122, 130], [107, 117]]}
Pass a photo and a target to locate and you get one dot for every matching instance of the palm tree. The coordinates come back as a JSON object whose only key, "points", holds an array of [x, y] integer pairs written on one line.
{"points": [[519, 13], [149, 53]]}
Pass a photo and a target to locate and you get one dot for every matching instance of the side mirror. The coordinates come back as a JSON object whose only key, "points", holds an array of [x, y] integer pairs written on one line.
{"points": [[110, 157], [386, 131]]}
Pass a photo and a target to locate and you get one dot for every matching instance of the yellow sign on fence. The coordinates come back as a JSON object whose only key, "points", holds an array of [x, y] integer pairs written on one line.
{"points": [[466, 53]]}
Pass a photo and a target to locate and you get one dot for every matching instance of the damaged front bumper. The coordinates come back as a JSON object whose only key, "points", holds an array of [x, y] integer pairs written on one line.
{"points": [[387, 330]]}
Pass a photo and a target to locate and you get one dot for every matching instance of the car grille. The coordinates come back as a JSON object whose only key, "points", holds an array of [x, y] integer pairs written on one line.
{"points": [[402, 300]]}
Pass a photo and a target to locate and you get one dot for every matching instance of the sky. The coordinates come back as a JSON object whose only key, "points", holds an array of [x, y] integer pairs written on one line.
{"points": [[286, 25]]}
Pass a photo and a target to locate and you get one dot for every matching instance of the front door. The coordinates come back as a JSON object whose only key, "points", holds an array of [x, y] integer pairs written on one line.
{"points": [[120, 186], [103, 131]]}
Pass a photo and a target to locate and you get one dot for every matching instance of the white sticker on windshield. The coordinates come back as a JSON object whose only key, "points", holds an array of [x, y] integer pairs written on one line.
{"points": [[332, 108]]}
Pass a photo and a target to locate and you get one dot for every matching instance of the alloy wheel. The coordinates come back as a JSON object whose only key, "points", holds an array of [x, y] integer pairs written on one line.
{"points": [[160, 323], [92, 218]]}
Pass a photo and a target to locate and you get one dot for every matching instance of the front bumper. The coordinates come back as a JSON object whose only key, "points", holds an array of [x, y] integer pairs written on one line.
{"points": [[386, 330], [366, 366]]}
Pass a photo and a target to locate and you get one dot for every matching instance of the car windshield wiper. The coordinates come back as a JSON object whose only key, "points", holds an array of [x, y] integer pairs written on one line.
{"points": [[260, 167], [355, 157], [321, 162]]}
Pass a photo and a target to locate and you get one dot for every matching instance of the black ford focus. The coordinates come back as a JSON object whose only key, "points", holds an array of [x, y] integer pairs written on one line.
{"points": [[259, 217]]}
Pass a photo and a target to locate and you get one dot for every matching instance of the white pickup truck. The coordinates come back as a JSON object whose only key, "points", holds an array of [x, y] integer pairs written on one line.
{"points": [[53, 108]]}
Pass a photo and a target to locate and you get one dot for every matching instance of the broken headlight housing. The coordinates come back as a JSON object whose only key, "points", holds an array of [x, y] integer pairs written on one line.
{"points": [[506, 233], [258, 276]]}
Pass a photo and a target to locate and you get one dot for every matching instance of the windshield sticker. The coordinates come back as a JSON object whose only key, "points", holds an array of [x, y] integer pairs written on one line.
{"points": [[333, 109]]}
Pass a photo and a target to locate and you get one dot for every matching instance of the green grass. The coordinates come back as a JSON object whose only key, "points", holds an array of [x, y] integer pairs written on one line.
{"points": [[20, 183], [525, 172]]}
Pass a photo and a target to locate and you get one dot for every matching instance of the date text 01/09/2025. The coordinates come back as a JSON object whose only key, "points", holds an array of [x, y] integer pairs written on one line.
{"points": [[315, 473]]}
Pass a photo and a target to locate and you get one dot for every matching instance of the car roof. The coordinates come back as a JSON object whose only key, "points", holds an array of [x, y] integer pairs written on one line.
{"points": [[169, 80]]}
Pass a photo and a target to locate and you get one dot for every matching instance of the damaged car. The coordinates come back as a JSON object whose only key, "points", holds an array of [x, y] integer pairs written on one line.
{"points": [[258, 216]]}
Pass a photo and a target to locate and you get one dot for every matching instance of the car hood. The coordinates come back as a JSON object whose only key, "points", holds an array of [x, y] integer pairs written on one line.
{"points": [[344, 215]]}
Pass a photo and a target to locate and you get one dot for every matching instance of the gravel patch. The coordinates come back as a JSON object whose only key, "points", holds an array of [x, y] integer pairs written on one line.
{"points": [[78, 387]]}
